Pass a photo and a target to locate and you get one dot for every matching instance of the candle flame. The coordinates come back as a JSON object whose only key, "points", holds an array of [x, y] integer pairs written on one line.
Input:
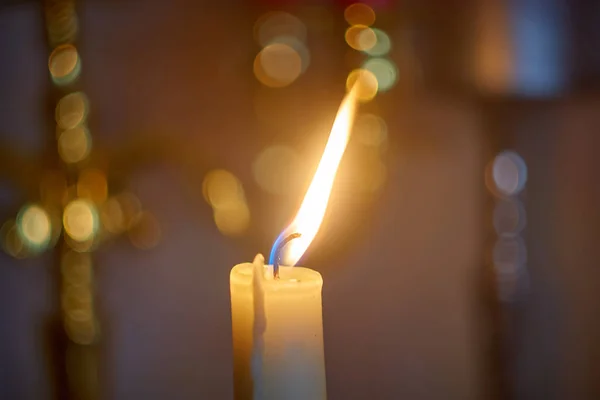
{"points": [[310, 215]]}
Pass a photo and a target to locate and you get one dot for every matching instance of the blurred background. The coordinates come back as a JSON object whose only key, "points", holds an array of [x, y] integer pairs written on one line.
{"points": [[146, 147]]}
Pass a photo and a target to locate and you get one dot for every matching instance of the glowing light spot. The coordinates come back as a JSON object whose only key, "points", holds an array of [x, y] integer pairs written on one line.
{"points": [[275, 169], [64, 64], [360, 37], [276, 24], [298, 46], [71, 110], [145, 234], [359, 14], [74, 145], [365, 84], [370, 130], [80, 328], [34, 227], [509, 173], [382, 46], [92, 185], [80, 220], [222, 189], [277, 65], [232, 220], [11, 240], [384, 70], [509, 253], [120, 213]]}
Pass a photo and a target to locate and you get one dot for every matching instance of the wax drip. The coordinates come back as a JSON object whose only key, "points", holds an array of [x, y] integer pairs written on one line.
{"points": [[277, 252]]}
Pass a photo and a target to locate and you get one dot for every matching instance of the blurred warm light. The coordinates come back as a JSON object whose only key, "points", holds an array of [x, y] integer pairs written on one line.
{"points": [[64, 64], [53, 186], [221, 188], [145, 233], [384, 70], [508, 173], [71, 110], [359, 14], [298, 46], [310, 215], [364, 84], [360, 37], [277, 65], [74, 145], [120, 213], [275, 169], [92, 185], [509, 217], [61, 22], [80, 331], [76, 268], [34, 227], [382, 46], [232, 220], [370, 130], [278, 24], [80, 220], [11, 240]]}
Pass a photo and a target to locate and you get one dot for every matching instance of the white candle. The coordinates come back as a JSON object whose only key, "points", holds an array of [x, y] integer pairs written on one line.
{"points": [[276, 312], [277, 333]]}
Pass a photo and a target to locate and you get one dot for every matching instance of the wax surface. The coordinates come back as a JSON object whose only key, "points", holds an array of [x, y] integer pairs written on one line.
{"points": [[277, 334]]}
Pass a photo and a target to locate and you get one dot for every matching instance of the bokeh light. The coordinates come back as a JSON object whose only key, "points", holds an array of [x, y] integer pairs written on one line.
{"points": [[71, 110], [275, 169], [360, 37], [92, 185], [509, 253], [359, 14], [145, 233], [509, 173], [64, 64], [366, 84], [232, 220], [370, 130], [383, 44], [224, 192], [278, 24], [509, 217], [120, 213], [74, 145], [34, 227], [76, 268], [80, 220], [221, 189], [298, 46], [384, 70], [277, 65], [11, 240]]}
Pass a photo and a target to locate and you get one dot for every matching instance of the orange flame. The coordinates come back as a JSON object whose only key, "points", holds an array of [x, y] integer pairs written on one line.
{"points": [[310, 215]]}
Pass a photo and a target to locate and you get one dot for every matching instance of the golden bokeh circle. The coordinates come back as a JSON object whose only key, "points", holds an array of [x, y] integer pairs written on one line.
{"points": [[359, 14], [34, 227], [71, 110], [74, 145], [277, 65], [360, 37], [80, 220], [364, 83]]}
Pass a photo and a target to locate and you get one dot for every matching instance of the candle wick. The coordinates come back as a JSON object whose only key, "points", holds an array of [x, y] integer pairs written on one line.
{"points": [[278, 250]]}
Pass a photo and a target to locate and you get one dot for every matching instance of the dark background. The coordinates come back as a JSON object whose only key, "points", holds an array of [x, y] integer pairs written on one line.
{"points": [[410, 302]]}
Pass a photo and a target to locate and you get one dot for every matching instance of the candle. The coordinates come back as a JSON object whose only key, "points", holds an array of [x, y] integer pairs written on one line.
{"points": [[276, 310]]}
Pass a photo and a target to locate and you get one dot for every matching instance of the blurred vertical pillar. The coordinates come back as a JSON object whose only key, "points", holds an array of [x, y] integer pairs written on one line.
{"points": [[520, 64]]}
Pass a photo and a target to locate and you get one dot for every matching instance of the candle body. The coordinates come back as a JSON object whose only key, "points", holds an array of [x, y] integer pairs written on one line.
{"points": [[277, 334]]}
